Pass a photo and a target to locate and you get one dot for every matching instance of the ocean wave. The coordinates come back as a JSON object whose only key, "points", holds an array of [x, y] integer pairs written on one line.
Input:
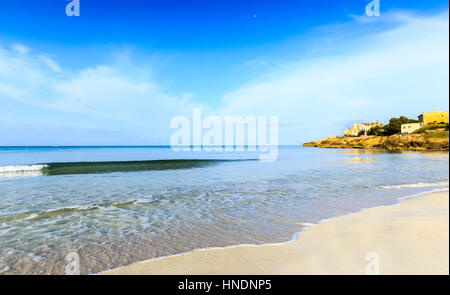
{"points": [[71, 210], [65, 168], [88, 207], [416, 185]]}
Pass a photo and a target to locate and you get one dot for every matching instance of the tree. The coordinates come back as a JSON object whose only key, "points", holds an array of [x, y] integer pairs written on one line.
{"points": [[377, 131], [361, 133]]}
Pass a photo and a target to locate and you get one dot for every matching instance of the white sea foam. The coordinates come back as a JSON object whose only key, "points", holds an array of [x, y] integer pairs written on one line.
{"points": [[22, 168], [32, 216], [414, 185]]}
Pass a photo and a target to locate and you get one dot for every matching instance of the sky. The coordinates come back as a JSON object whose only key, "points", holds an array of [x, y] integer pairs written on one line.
{"points": [[118, 73]]}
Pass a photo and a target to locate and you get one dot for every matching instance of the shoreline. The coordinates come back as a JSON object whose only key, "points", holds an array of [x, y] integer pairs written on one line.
{"points": [[386, 230]]}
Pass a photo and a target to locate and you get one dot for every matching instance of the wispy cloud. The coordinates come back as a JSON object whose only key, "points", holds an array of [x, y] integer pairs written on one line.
{"points": [[120, 94]]}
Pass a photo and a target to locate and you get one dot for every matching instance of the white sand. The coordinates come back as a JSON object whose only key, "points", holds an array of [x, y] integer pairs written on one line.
{"points": [[409, 238]]}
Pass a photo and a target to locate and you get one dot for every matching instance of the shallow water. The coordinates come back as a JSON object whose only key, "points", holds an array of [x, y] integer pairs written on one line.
{"points": [[114, 214]]}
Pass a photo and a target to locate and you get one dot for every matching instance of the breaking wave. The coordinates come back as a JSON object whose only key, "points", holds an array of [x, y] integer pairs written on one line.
{"points": [[417, 185], [72, 210], [105, 167], [22, 168]]}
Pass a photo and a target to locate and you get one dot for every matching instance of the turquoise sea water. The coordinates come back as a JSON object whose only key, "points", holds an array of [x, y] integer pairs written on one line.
{"points": [[114, 206]]}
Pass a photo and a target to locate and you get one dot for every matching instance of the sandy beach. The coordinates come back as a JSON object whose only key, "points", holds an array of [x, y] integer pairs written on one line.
{"points": [[408, 238]]}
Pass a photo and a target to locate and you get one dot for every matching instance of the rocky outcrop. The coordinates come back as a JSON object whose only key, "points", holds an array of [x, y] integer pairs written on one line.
{"points": [[420, 142]]}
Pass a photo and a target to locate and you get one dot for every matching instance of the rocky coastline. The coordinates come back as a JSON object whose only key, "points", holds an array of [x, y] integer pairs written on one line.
{"points": [[431, 141]]}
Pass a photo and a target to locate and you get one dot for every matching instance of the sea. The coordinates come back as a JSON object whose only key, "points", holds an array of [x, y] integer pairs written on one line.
{"points": [[114, 206]]}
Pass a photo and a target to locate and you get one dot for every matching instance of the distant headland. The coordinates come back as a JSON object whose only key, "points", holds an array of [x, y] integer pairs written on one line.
{"points": [[429, 132]]}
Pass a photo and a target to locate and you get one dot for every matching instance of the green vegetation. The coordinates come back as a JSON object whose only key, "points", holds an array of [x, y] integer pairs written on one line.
{"points": [[442, 134], [361, 133], [394, 127], [424, 129], [377, 131]]}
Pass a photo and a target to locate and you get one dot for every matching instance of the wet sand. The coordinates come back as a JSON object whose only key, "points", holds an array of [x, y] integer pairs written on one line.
{"points": [[409, 238]]}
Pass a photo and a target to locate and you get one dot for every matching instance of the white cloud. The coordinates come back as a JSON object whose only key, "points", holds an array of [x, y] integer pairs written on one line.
{"points": [[120, 95], [20, 49], [54, 66], [122, 92]]}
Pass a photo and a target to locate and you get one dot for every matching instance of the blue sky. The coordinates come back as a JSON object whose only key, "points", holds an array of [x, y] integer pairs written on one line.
{"points": [[118, 73]]}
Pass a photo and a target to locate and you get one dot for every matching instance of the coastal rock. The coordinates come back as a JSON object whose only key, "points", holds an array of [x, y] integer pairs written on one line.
{"points": [[394, 142]]}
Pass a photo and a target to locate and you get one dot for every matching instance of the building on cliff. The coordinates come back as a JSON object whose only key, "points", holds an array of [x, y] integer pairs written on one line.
{"points": [[358, 127], [433, 117], [410, 127]]}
